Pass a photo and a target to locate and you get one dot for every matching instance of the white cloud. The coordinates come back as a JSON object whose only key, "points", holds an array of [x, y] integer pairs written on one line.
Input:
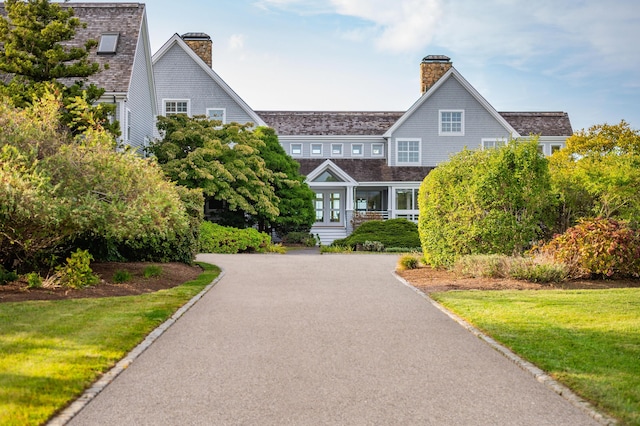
{"points": [[236, 41]]}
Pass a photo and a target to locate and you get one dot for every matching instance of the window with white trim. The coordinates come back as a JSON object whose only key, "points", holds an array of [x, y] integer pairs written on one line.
{"points": [[451, 123], [555, 148], [377, 150], [316, 149], [108, 43], [218, 114], [176, 106], [493, 143], [296, 149], [408, 151], [336, 150], [407, 203], [357, 150], [128, 128]]}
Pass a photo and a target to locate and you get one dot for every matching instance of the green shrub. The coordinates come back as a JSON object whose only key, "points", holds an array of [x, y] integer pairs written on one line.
{"points": [[403, 250], [408, 261], [529, 269], [390, 233], [34, 280], [597, 248], [152, 271], [336, 249], [76, 272], [305, 238], [121, 276], [7, 276], [482, 265], [372, 246], [216, 238]]}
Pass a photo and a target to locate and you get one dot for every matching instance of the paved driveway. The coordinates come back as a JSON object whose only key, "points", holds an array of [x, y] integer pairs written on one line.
{"points": [[321, 340]]}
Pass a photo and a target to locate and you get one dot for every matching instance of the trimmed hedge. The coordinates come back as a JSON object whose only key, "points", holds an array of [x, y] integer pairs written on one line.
{"points": [[216, 238], [391, 233]]}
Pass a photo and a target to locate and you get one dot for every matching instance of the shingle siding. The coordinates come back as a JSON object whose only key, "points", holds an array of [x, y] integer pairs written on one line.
{"points": [[177, 76]]}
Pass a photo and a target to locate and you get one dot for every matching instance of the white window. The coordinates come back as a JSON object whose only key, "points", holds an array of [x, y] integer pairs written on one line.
{"points": [[407, 203], [336, 150], [296, 149], [316, 149], [356, 150], [377, 150], [218, 114], [108, 43], [451, 123], [493, 143], [128, 128], [408, 151], [176, 106]]}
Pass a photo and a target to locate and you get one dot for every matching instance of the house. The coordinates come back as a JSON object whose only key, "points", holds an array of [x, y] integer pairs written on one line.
{"points": [[360, 164], [124, 55]]}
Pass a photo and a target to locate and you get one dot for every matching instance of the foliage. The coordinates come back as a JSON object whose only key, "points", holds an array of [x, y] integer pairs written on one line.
{"points": [[539, 269], [38, 50], [77, 341], [216, 238], [482, 265], [485, 202], [390, 233], [295, 197], [299, 237], [34, 280], [408, 261], [152, 271], [598, 247], [372, 246], [529, 270], [7, 276], [597, 174], [121, 276], [77, 272], [222, 160], [335, 248], [61, 193], [587, 340]]}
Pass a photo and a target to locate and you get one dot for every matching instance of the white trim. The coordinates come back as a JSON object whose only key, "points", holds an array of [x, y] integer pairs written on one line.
{"points": [[381, 155], [494, 143], [127, 126], [449, 74], [443, 133], [164, 105], [361, 154], [224, 113], [177, 40], [333, 150], [408, 163], [149, 63], [312, 154], [331, 166], [293, 154]]}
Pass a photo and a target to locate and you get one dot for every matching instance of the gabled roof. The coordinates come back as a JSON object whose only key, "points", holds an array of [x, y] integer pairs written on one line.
{"points": [[540, 123], [453, 73], [176, 40], [367, 170], [336, 123]]}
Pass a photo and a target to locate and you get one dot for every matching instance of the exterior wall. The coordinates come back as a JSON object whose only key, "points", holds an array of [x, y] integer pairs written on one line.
{"points": [[424, 125], [347, 143], [140, 101], [177, 76]]}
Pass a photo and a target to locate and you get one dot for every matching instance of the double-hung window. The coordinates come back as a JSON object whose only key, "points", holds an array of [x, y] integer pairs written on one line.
{"points": [[408, 151], [451, 123], [176, 106]]}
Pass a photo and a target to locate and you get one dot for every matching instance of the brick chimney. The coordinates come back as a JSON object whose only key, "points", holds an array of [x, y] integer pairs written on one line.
{"points": [[431, 69], [201, 44]]}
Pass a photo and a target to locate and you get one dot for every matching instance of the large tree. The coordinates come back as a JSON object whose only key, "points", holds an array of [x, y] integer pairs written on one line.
{"points": [[223, 160], [36, 48], [598, 174]]}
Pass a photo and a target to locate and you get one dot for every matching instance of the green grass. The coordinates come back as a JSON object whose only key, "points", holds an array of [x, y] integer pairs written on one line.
{"points": [[587, 339], [53, 350]]}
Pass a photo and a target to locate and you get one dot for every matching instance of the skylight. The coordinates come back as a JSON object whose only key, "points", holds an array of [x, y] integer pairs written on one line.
{"points": [[108, 43]]}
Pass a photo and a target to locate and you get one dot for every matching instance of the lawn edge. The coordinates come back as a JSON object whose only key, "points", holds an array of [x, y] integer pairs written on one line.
{"points": [[63, 417], [540, 375]]}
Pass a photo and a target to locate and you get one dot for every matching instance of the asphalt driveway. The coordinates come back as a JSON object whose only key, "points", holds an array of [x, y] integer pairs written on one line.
{"points": [[321, 340]]}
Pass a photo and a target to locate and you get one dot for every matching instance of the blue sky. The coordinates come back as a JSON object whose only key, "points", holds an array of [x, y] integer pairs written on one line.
{"points": [[578, 56]]}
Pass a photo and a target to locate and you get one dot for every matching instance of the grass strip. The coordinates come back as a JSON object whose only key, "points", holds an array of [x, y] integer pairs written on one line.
{"points": [[53, 350], [587, 339]]}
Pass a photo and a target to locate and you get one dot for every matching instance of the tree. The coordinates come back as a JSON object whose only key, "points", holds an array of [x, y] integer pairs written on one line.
{"points": [[36, 49], [597, 174], [296, 198], [485, 202], [223, 160]]}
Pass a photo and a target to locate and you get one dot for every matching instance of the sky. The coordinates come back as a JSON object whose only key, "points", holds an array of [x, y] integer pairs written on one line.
{"points": [[577, 56]]}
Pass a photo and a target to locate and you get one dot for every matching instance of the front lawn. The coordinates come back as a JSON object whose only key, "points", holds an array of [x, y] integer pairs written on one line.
{"points": [[53, 350], [587, 339]]}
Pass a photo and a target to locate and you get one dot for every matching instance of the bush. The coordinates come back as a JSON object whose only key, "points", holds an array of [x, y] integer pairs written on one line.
{"points": [[408, 261], [372, 246], [539, 269], [152, 271], [7, 276], [482, 265], [216, 238], [121, 276], [34, 280], [597, 248], [389, 233], [296, 237], [336, 249], [533, 271], [77, 273]]}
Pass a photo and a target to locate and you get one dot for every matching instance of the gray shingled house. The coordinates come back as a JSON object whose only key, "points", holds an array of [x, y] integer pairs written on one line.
{"points": [[359, 163], [122, 34]]}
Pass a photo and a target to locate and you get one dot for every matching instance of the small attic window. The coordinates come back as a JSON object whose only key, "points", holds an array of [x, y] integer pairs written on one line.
{"points": [[108, 43]]}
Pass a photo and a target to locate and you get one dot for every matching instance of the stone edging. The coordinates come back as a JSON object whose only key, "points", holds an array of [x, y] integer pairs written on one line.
{"points": [[536, 372], [74, 408]]}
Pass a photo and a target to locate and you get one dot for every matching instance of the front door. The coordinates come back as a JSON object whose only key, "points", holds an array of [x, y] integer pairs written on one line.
{"points": [[329, 206]]}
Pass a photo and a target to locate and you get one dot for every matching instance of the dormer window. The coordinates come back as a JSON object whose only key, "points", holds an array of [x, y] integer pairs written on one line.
{"points": [[108, 43]]}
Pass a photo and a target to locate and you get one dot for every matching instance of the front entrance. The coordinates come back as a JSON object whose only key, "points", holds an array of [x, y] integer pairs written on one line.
{"points": [[329, 206]]}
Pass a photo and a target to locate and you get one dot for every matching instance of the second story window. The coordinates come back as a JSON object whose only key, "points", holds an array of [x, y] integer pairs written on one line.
{"points": [[336, 150], [218, 114], [316, 149], [408, 151], [296, 149], [108, 43], [173, 106], [451, 123], [377, 150]]}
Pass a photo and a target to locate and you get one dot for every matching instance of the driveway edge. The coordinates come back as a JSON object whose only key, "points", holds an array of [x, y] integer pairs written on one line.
{"points": [[98, 386], [536, 372]]}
